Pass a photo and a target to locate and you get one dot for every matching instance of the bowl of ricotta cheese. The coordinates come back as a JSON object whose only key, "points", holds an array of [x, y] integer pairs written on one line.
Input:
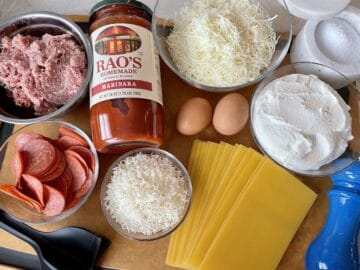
{"points": [[305, 125]]}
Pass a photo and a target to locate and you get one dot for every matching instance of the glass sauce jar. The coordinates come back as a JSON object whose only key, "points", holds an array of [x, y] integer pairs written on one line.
{"points": [[126, 109]]}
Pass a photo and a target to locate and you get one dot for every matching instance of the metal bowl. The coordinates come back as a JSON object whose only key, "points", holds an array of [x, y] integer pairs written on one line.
{"points": [[117, 226], [350, 94], [20, 210], [163, 21], [37, 24]]}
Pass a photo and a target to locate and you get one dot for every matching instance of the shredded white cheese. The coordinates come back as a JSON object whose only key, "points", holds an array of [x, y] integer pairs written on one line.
{"points": [[146, 194], [221, 42]]}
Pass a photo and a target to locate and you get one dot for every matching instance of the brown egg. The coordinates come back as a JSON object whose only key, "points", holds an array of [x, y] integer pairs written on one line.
{"points": [[231, 114], [193, 116]]}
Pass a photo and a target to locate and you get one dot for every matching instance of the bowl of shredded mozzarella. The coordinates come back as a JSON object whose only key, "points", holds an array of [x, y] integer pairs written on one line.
{"points": [[146, 194], [221, 45]]}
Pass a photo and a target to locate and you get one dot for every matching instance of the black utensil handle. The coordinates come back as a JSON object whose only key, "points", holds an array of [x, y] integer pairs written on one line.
{"points": [[18, 229], [18, 259], [23, 232]]}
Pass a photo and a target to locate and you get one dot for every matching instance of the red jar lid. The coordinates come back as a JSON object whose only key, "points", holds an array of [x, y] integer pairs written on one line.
{"points": [[132, 3]]}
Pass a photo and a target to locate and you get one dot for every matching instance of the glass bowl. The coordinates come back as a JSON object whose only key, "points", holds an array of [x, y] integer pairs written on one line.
{"points": [[36, 24], [20, 210], [350, 94], [140, 236], [162, 24]]}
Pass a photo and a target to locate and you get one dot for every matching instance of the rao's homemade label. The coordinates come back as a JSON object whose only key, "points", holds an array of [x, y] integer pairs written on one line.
{"points": [[126, 64]]}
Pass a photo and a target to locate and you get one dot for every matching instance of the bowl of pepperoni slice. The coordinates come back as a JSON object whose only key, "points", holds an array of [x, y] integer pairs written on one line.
{"points": [[47, 171]]}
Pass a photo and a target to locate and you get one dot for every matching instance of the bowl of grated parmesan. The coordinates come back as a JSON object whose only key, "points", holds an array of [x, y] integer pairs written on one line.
{"points": [[146, 194], [222, 45]]}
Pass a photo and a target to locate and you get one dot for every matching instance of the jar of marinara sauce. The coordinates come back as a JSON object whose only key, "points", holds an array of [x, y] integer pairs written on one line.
{"points": [[126, 109]]}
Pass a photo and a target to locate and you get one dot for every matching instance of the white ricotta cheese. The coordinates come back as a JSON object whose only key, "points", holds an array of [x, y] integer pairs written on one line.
{"points": [[146, 194], [301, 122]]}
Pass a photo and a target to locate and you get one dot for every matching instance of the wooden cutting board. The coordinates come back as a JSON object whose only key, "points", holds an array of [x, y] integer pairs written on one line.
{"points": [[134, 255]]}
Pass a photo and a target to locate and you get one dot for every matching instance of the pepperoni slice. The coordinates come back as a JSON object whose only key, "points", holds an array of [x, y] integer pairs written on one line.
{"points": [[78, 172], [67, 176], [74, 197], [66, 142], [86, 186], [71, 201], [78, 157], [39, 155], [17, 166], [32, 187], [54, 201], [59, 184], [13, 192], [52, 168], [86, 154], [56, 170], [24, 138], [65, 131]]}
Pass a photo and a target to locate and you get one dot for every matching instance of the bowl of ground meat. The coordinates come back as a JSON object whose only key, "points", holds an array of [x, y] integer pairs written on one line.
{"points": [[45, 67]]}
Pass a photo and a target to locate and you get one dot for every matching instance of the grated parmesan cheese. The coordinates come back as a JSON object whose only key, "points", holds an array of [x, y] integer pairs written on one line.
{"points": [[221, 42], [146, 194]]}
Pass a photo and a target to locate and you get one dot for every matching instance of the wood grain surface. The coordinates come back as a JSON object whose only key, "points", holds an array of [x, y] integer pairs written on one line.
{"points": [[134, 255]]}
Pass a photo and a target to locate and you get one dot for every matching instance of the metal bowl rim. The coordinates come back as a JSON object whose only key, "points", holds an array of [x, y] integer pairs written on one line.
{"points": [[85, 43]]}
